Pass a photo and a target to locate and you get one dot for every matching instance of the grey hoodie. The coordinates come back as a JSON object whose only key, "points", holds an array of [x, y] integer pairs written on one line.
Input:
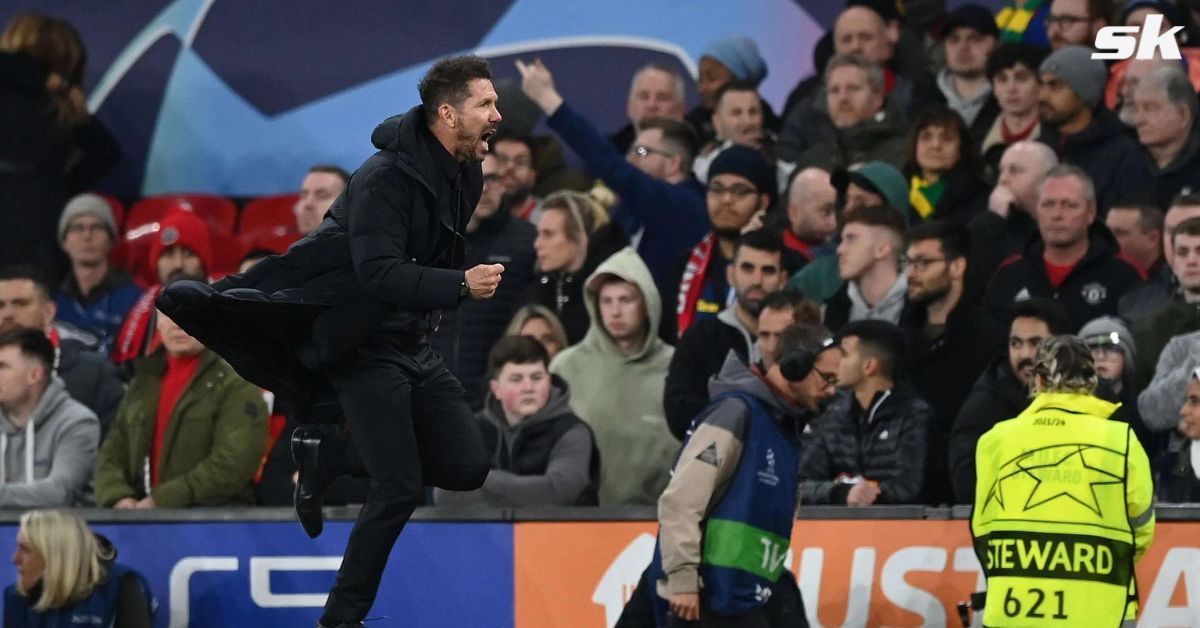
{"points": [[620, 396], [567, 473], [49, 462], [888, 308]]}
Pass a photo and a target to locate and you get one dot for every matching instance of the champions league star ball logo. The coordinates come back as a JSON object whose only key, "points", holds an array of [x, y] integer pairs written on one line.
{"points": [[768, 476]]}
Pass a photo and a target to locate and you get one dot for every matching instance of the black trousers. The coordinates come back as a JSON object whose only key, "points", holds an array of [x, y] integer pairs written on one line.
{"points": [[785, 609], [410, 425]]}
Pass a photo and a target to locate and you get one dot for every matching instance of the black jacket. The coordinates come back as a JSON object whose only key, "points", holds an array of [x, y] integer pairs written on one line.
{"points": [[466, 335], [1182, 172], [1177, 481], [562, 292], [877, 443], [943, 370], [994, 240], [1107, 152], [964, 197], [386, 258], [91, 379], [699, 355], [41, 165], [1091, 290], [997, 396]]}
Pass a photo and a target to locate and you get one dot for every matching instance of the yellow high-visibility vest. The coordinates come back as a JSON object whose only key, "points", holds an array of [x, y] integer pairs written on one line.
{"points": [[1063, 510]]}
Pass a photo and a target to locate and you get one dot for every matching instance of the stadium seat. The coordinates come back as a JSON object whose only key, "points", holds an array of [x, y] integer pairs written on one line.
{"points": [[273, 214], [219, 212]]}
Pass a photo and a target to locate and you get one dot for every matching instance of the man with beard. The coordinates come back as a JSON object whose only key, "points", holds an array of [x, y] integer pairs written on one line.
{"points": [[950, 339], [969, 36], [1084, 133], [739, 118], [1002, 392], [756, 271], [339, 325], [514, 156], [741, 185]]}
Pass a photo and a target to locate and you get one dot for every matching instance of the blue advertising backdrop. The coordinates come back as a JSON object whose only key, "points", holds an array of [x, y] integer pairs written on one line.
{"points": [[271, 574]]}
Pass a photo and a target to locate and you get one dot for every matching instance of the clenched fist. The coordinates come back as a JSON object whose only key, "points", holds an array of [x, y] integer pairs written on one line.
{"points": [[482, 280]]}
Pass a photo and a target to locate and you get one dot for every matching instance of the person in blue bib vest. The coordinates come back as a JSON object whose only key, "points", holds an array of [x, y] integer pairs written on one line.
{"points": [[67, 576], [725, 519]]}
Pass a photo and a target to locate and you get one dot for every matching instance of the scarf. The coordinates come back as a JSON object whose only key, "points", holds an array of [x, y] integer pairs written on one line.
{"points": [[924, 196], [694, 274]]}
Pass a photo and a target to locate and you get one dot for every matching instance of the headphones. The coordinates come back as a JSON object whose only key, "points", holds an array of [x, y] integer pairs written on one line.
{"points": [[797, 365]]}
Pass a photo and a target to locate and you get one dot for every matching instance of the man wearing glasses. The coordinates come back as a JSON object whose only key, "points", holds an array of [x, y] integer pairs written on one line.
{"points": [[1075, 22], [741, 186], [951, 339], [662, 206], [867, 447], [514, 160]]}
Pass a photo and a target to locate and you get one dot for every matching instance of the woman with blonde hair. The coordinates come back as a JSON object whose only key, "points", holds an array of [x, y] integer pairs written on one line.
{"points": [[539, 323], [52, 148], [574, 234], [66, 576]]}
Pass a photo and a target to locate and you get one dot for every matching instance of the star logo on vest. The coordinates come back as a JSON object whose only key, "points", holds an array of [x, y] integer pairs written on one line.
{"points": [[1094, 293], [768, 476], [761, 593], [1070, 472]]}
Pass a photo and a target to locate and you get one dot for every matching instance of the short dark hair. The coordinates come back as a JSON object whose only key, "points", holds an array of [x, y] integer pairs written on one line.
{"points": [[1150, 217], [877, 216], [331, 169], [954, 238], [761, 239], [1186, 198], [515, 350], [1011, 54], [511, 136], [33, 343], [803, 310], [1190, 227], [679, 134], [29, 272], [802, 337], [881, 340], [449, 80], [736, 85], [1049, 311]]}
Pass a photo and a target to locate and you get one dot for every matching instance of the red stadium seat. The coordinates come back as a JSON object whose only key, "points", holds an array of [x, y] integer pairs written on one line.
{"points": [[219, 212], [273, 214], [227, 253]]}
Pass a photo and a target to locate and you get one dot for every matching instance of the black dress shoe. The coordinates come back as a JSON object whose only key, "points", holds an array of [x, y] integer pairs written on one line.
{"points": [[310, 486]]}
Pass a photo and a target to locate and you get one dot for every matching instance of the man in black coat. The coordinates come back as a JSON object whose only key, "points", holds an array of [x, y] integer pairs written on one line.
{"points": [[1074, 261], [339, 325], [950, 339], [494, 236], [1002, 392]]}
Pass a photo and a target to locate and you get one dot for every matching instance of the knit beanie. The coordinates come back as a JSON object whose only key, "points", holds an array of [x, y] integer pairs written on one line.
{"points": [[740, 55], [749, 164], [1110, 331], [878, 177], [186, 229], [87, 204], [1086, 76]]}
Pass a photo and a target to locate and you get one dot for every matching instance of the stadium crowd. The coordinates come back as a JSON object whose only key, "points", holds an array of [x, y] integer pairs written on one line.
{"points": [[942, 195]]}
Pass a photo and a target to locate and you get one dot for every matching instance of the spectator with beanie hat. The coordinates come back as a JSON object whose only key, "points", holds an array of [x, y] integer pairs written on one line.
{"points": [[1085, 134], [181, 245], [741, 187], [724, 61], [95, 296]]}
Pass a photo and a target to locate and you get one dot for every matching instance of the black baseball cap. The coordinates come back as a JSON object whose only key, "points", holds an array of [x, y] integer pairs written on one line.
{"points": [[973, 16]]}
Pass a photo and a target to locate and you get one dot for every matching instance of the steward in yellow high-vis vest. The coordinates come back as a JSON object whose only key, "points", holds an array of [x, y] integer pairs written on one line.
{"points": [[1063, 503]]}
